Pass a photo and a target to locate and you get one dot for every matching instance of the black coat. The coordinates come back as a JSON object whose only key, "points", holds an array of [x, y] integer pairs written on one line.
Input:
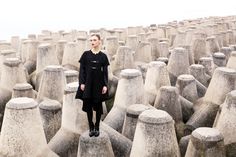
{"points": [[94, 74]]}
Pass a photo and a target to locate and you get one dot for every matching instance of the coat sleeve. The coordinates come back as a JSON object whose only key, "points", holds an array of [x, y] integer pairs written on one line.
{"points": [[82, 70], [105, 71]]}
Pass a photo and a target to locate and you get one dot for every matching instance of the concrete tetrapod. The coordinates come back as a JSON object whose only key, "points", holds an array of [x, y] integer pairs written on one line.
{"points": [[226, 51], [187, 87], [178, 64], [226, 124], [156, 76], [12, 72], [163, 49], [232, 61], [45, 56], [132, 42], [168, 100], [143, 52], [212, 45], [180, 38], [6, 54], [233, 47], [71, 76], [60, 46], [23, 90], [224, 38], [219, 59], [111, 45], [155, 135], [52, 84], [190, 53], [15, 43], [207, 62], [218, 38], [73, 124], [50, 111], [72, 53], [198, 71], [163, 59], [5, 45], [223, 81], [142, 37], [124, 60], [95, 146], [22, 131], [154, 47], [199, 49], [5, 96], [30, 55], [183, 144], [230, 36], [132, 30], [187, 108], [189, 35], [206, 142], [131, 119], [130, 91], [120, 144]]}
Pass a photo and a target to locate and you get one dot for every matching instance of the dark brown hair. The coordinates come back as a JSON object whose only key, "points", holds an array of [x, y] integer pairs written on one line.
{"points": [[96, 35]]}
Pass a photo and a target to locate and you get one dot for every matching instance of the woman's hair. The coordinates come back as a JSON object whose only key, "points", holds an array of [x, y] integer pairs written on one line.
{"points": [[96, 35]]}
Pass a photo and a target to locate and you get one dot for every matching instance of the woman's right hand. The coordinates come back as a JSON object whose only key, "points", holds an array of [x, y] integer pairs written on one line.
{"points": [[82, 86]]}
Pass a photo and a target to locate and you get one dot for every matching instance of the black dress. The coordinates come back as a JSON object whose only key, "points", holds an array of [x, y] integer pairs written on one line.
{"points": [[94, 74]]}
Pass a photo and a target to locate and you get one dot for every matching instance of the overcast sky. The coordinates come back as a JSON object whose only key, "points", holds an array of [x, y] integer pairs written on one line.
{"points": [[22, 17]]}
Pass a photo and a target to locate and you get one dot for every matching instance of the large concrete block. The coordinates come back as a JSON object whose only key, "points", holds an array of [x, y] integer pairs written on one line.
{"points": [[72, 53], [155, 135], [50, 111], [12, 72], [178, 64], [232, 61], [95, 146], [156, 76], [187, 87], [73, 124], [206, 142], [168, 100], [226, 124], [22, 130], [130, 91], [52, 84], [124, 59], [23, 90], [131, 119]]}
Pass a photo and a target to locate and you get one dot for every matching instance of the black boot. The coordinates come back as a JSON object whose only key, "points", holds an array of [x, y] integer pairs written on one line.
{"points": [[96, 132], [98, 118], [90, 121], [91, 130]]}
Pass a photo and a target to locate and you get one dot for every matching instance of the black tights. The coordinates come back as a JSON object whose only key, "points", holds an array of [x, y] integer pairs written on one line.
{"points": [[90, 119]]}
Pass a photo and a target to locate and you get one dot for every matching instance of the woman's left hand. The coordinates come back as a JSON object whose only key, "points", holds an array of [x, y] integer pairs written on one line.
{"points": [[104, 89]]}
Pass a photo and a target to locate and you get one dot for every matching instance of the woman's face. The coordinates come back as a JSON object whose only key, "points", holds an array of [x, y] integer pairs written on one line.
{"points": [[94, 41]]}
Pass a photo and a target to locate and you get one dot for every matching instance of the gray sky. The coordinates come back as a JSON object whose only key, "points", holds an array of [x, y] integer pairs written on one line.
{"points": [[22, 17]]}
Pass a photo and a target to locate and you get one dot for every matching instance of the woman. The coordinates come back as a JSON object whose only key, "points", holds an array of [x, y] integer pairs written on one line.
{"points": [[93, 82]]}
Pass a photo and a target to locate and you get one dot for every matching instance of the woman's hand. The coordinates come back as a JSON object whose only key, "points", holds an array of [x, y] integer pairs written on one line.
{"points": [[104, 89], [82, 86]]}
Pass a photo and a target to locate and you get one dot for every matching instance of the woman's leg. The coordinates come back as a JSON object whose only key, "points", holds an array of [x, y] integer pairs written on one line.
{"points": [[98, 118], [90, 118]]}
